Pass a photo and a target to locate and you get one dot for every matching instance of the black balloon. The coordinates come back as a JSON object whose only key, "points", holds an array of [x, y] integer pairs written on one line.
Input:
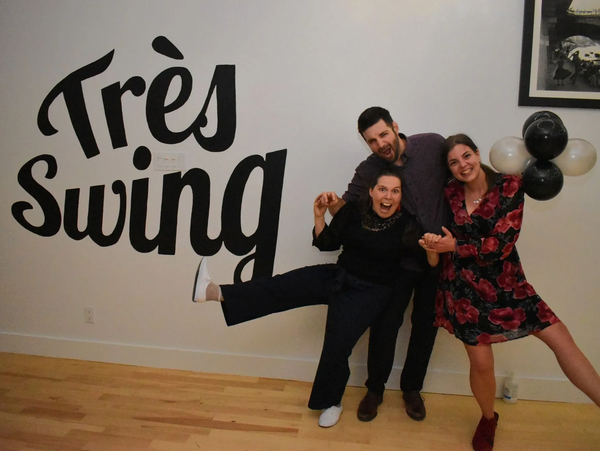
{"points": [[539, 115], [545, 138], [542, 180]]}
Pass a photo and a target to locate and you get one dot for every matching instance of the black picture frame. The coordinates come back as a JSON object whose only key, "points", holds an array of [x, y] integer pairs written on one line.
{"points": [[547, 25]]}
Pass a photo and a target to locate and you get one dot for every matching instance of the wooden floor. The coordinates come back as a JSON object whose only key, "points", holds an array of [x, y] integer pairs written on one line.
{"points": [[63, 405]]}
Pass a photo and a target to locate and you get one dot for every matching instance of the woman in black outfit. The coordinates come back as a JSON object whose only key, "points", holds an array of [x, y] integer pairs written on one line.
{"points": [[373, 235]]}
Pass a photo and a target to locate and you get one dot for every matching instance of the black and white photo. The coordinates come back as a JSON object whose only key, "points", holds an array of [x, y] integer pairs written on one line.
{"points": [[560, 63]]}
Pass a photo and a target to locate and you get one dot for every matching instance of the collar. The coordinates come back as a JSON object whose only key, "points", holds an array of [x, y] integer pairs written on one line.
{"points": [[407, 147]]}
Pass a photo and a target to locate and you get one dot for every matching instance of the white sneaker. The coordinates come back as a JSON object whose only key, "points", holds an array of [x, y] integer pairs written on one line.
{"points": [[201, 282], [330, 416]]}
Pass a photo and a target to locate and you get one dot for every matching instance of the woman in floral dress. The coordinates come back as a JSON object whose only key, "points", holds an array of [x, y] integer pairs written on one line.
{"points": [[483, 296]]}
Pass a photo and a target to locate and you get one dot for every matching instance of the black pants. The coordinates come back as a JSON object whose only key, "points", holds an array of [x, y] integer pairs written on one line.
{"points": [[353, 306], [384, 332]]}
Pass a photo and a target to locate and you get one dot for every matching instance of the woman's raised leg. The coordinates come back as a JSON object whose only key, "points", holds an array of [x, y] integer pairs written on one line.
{"points": [[572, 361], [204, 288]]}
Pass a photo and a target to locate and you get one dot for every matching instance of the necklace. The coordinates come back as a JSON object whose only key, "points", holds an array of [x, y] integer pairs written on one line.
{"points": [[374, 223], [481, 187], [476, 201]]}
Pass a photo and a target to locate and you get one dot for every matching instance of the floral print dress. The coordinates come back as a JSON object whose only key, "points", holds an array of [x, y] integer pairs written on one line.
{"points": [[483, 296]]}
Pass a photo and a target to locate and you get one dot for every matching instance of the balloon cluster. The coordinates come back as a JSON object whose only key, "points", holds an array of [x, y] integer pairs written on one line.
{"points": [[543, 156]]}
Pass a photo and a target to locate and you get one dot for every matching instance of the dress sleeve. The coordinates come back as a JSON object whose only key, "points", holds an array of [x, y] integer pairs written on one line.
{"points": [[504, 209], [330, 238]]}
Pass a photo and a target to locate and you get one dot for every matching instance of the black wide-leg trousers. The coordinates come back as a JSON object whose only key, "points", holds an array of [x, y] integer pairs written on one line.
{"points": [[384, 332], [353, 306]]}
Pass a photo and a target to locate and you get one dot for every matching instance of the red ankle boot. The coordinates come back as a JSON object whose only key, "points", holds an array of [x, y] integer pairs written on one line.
{"points": [[483, 440]]}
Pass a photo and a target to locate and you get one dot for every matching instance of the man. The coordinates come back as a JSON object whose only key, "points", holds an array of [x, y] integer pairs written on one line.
{"points": [[423, 174]]}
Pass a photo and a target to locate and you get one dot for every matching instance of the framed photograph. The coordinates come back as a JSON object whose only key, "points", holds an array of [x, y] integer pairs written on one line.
{"points": [[560, 59]]}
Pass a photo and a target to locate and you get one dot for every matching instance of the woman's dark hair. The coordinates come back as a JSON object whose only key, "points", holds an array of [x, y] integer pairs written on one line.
{"points": [[452, 141], [365, 198], [371, 116]]}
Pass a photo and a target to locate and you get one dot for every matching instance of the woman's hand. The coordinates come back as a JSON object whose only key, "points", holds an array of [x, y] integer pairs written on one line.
{"points": [[429, 240], [447, 243], [323, 201]]}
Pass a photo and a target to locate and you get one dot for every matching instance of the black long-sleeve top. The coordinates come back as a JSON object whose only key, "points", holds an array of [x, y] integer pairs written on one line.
{"points": [[372, 247], [423, 173]]}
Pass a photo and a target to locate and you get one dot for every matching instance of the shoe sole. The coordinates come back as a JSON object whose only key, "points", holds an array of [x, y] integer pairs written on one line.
{"points": [[413, 417], [196, 281], [366, 419], [328, 426]]}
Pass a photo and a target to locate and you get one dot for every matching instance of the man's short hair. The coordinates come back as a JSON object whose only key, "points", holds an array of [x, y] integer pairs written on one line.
{"points": [[371, 116]]}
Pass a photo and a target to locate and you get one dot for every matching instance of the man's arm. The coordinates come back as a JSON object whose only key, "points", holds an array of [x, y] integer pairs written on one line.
{"points": [[357, 186], [359, 183]]}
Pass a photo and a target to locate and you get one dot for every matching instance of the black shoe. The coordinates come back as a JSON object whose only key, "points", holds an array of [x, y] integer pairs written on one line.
{"points": [[415, 407], [367, 409]]}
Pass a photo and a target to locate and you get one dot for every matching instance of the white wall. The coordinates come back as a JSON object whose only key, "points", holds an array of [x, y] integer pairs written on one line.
{"points": [[304, 72]]}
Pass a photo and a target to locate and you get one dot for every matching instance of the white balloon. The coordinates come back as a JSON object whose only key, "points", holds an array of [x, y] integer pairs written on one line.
{"points": [[578, 157], [509, 155]]}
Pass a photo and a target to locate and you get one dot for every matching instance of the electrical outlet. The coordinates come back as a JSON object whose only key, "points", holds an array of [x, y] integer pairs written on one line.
{"points": [[89, 315], [170, 161]]}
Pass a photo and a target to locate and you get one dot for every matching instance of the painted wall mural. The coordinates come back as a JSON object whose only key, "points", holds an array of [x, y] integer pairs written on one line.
{"points": [[258, 247]]}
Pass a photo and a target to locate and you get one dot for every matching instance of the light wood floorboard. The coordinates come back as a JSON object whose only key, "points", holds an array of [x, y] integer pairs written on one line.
{"points": [[60, 404]]}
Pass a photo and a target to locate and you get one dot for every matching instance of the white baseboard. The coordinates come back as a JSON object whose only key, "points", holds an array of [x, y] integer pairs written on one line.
{"points": [[558, 390]]}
